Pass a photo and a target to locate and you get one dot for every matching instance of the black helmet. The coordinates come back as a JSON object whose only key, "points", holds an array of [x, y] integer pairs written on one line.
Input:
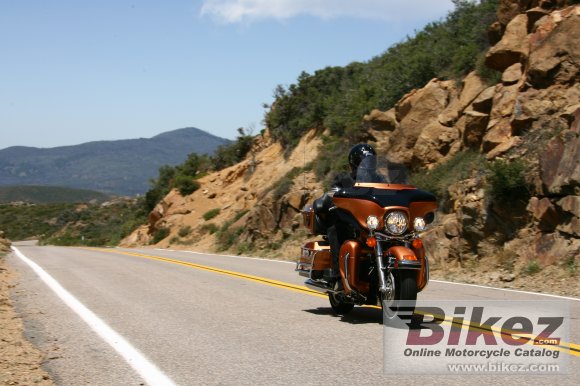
{"points": [[358, 153]]}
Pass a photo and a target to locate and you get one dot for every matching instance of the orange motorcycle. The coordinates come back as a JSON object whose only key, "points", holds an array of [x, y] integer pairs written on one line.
{"points": [[382, 259]]}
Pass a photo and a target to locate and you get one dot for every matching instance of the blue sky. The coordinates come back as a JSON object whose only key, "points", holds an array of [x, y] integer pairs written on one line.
{"points": [[74, 71]]}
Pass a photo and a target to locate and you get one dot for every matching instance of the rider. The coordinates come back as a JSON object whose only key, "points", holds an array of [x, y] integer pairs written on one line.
{"points": [[362, 162]]}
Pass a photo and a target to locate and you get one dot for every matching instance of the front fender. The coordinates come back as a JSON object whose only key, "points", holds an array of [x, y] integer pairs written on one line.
{"points": [[406, 258]]}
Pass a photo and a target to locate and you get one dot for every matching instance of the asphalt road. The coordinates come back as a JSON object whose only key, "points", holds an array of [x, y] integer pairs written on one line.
{"points": [[199, 319]]}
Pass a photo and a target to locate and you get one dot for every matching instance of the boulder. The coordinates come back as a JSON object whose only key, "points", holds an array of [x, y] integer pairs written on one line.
{"points": [[570, 204], [571, 227], [381, 120], [534, 15], [415, 112], [472, 86], [499, 133], [552, 247], [533, 105], [436, 245], [451, 226], [503, 148], [484, 101], [512, 74], [559, 162], [508, 9], [544, 212], [475, 127], [504, 101], [513, 46], [434, 143], [554, 56]]}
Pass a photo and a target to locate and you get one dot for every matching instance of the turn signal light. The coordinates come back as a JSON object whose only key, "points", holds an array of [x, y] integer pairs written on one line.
{"points": [[417, 244], [371, 242]]}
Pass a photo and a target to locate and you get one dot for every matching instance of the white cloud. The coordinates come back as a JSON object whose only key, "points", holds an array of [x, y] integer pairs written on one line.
{"points": [[238, 11]]}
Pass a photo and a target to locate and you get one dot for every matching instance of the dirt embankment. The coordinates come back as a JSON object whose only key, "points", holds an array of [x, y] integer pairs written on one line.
{"points": [[20, 361]]}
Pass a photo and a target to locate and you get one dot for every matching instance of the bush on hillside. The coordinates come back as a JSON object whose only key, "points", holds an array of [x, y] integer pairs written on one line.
{"points": [[337, 97]]}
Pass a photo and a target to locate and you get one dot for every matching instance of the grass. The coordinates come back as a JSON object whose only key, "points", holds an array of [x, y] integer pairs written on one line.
{"points": [[160, 234], [211, 214], [571, 265], [210, 228], [184, 231], [531, 268], [240, 214], [507, 259]]}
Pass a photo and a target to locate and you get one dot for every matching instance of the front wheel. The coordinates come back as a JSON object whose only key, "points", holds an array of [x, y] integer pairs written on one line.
{"points": [[401, 285], [339, 304]]}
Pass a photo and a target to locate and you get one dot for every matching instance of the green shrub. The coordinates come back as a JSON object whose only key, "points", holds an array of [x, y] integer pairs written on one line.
{"points": [[211, 214], [210, 228], [226, 237], [531, 268], [185, 184], [160, 234], [571, 265], [489, 75], [184, 231], [284, 184], [507, 181], [240, 214], [438, 179]]}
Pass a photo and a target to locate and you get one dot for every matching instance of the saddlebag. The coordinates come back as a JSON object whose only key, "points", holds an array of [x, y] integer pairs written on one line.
{"points": [[314, 259]]}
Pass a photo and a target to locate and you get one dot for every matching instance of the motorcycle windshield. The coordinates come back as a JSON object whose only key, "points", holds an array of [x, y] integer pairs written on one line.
{"points": [[373, 170], [385, 183]]}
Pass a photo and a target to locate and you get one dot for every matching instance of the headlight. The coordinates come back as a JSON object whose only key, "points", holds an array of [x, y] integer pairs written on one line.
{"points": [[372, 222], [396, 222], [419, 224]]}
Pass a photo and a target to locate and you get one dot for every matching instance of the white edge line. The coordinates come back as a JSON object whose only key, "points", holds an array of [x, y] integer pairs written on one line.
{"points": [[147, 370], [506, 289]]}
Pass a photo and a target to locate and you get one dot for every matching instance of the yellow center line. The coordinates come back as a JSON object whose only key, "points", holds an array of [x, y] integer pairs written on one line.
{"points": [[570, 348], [257, 279]]}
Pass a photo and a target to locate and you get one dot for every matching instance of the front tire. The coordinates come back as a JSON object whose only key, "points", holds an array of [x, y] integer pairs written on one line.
{"points": [[403, 286], [338, 303]]}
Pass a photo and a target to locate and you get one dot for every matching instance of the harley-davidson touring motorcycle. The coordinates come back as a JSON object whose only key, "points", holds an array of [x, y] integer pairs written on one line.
{"points": [[382, 260]]}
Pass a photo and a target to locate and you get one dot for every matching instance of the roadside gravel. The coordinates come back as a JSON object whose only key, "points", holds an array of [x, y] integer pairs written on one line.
{"points": [[20, 361]]}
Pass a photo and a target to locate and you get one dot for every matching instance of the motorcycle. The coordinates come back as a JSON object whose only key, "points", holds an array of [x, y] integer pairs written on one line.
{"points": [[382, 260]]}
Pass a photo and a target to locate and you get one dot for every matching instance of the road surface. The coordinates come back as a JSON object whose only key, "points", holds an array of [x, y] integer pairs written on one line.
{"points": [[189, 318]]}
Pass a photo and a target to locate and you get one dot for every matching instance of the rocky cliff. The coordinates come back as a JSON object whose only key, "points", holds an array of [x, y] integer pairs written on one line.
{"points": [[530, 117]]}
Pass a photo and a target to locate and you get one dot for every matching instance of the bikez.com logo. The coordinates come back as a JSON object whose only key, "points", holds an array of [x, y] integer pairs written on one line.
{"points": [[431, 327]]}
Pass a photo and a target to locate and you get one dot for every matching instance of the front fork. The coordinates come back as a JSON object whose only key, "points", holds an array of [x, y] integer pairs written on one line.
{"points": [[382, 280]]}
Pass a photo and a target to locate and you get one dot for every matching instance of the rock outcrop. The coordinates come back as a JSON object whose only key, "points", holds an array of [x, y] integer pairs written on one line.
{"points": [[532, 114]]}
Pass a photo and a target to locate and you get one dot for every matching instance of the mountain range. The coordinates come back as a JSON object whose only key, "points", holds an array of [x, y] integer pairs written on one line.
{"points": [[122, 167]]}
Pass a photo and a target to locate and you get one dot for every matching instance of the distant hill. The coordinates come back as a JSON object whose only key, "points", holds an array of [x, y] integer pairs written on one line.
{"points": [[121, 167], [49, 195]]}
